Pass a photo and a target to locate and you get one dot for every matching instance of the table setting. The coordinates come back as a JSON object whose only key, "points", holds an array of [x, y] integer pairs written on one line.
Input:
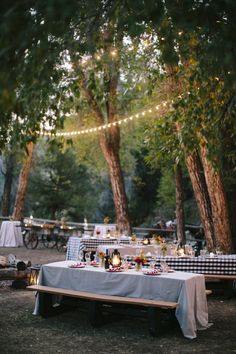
{"points": [[187, 289], [10, 234]]}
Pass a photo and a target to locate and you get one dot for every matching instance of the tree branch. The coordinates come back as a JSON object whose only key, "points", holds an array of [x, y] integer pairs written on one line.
{"points": [[92, 102]]}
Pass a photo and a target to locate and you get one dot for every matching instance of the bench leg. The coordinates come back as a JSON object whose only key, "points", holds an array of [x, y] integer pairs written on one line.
{"points": [[45, 304], [95, 313], [228, 288], [153, 321]]}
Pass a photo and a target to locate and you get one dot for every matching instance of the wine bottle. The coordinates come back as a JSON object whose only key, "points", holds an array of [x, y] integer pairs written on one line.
{"points": [[107, 260]]}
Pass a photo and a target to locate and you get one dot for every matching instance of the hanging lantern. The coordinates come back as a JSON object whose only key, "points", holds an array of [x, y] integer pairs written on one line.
{"points": [[116, 259], [34, 275]]}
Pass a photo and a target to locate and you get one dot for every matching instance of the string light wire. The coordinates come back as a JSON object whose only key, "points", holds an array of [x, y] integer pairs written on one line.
{"points": [[74, 133]]}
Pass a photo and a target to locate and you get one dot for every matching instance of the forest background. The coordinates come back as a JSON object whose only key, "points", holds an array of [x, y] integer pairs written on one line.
{"points": [[81, 65]]}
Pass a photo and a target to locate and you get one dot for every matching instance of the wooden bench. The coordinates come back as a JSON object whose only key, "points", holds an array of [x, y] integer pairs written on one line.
{"points": [[227, 282], [95, 302], [208, 292], [220, 277]]}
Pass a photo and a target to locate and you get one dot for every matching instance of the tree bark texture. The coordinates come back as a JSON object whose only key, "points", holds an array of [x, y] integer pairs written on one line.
{"points": [[6, 197], [180, 222], [219, 205], [110, 144], [23, 183], [194, 166], [110, 147]]}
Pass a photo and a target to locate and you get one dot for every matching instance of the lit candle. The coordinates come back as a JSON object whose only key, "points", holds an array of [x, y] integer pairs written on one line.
{"points": [[181, 252], [116, 261]]}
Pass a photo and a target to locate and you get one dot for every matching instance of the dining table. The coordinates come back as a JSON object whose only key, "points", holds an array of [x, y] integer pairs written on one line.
{"points": [[187, 289], [90, 244], [210, 265], [10, 234]]}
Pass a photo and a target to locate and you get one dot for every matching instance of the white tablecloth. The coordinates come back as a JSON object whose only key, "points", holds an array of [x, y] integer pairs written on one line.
{"points": [[10, 234], [185, 288], [104, 228], [129, 249]]}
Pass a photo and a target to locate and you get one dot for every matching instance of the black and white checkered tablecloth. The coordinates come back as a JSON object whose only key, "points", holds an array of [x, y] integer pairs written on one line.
{"points": [[92, 244], [220, 265]]}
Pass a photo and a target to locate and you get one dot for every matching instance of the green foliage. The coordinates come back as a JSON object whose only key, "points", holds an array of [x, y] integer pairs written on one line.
{"points": [[60, 186], [166, 196], [189, 50], [142, 196]]}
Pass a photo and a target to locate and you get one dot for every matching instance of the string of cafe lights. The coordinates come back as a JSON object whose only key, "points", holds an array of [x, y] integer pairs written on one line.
{"points": [[119, 122], [153, 110], [107, 126]]}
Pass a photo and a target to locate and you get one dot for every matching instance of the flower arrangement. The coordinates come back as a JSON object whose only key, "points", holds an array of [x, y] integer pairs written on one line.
{"points": [[141, 259], [106, 220], [101, 255], [163, 248], [158, 239]]}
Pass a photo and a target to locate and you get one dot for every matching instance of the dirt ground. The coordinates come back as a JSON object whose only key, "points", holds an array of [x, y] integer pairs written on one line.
{"points": [[70, 332]]}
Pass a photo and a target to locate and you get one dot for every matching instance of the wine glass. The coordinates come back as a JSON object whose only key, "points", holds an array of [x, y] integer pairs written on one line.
{"points": [[80, 256], [152, 263], [164, 267], [87, 258], [126, 263]]}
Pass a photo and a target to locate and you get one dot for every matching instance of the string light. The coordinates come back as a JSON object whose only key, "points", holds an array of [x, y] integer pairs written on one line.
{"points": [[104, 126], [113, 52]]}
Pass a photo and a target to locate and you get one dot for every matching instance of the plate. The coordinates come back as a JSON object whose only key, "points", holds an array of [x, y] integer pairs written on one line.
{"points": [[114, 270], [131, 267], [171, 270], [153, 272], [77, 265]]}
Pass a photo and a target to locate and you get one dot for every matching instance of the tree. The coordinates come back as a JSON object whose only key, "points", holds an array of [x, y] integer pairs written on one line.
{"points": [[53, 45], [179, 211], [60, 187], [10, 164], [23, 183], [191, 33], [184, 37]]}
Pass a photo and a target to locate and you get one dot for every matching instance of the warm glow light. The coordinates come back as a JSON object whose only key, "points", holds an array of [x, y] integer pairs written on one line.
{"points": [[113, 52], [109, 125]]}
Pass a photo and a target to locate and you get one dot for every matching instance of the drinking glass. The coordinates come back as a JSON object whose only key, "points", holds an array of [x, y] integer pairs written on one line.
{"points": [[87, 258], [80, 256], [164, 267]]}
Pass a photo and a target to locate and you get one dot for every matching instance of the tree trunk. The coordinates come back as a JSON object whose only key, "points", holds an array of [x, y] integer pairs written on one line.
{"points": [[202, 198], [232, 212], [23, 183], [110, 144], [110, 147], [11, 273], [6, 197], [180, 223], [219, 205]]}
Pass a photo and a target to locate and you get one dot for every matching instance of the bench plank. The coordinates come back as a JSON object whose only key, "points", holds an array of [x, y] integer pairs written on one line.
{"points": [[208, 292], [103, 298], [95, 304], [220, 277]]}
